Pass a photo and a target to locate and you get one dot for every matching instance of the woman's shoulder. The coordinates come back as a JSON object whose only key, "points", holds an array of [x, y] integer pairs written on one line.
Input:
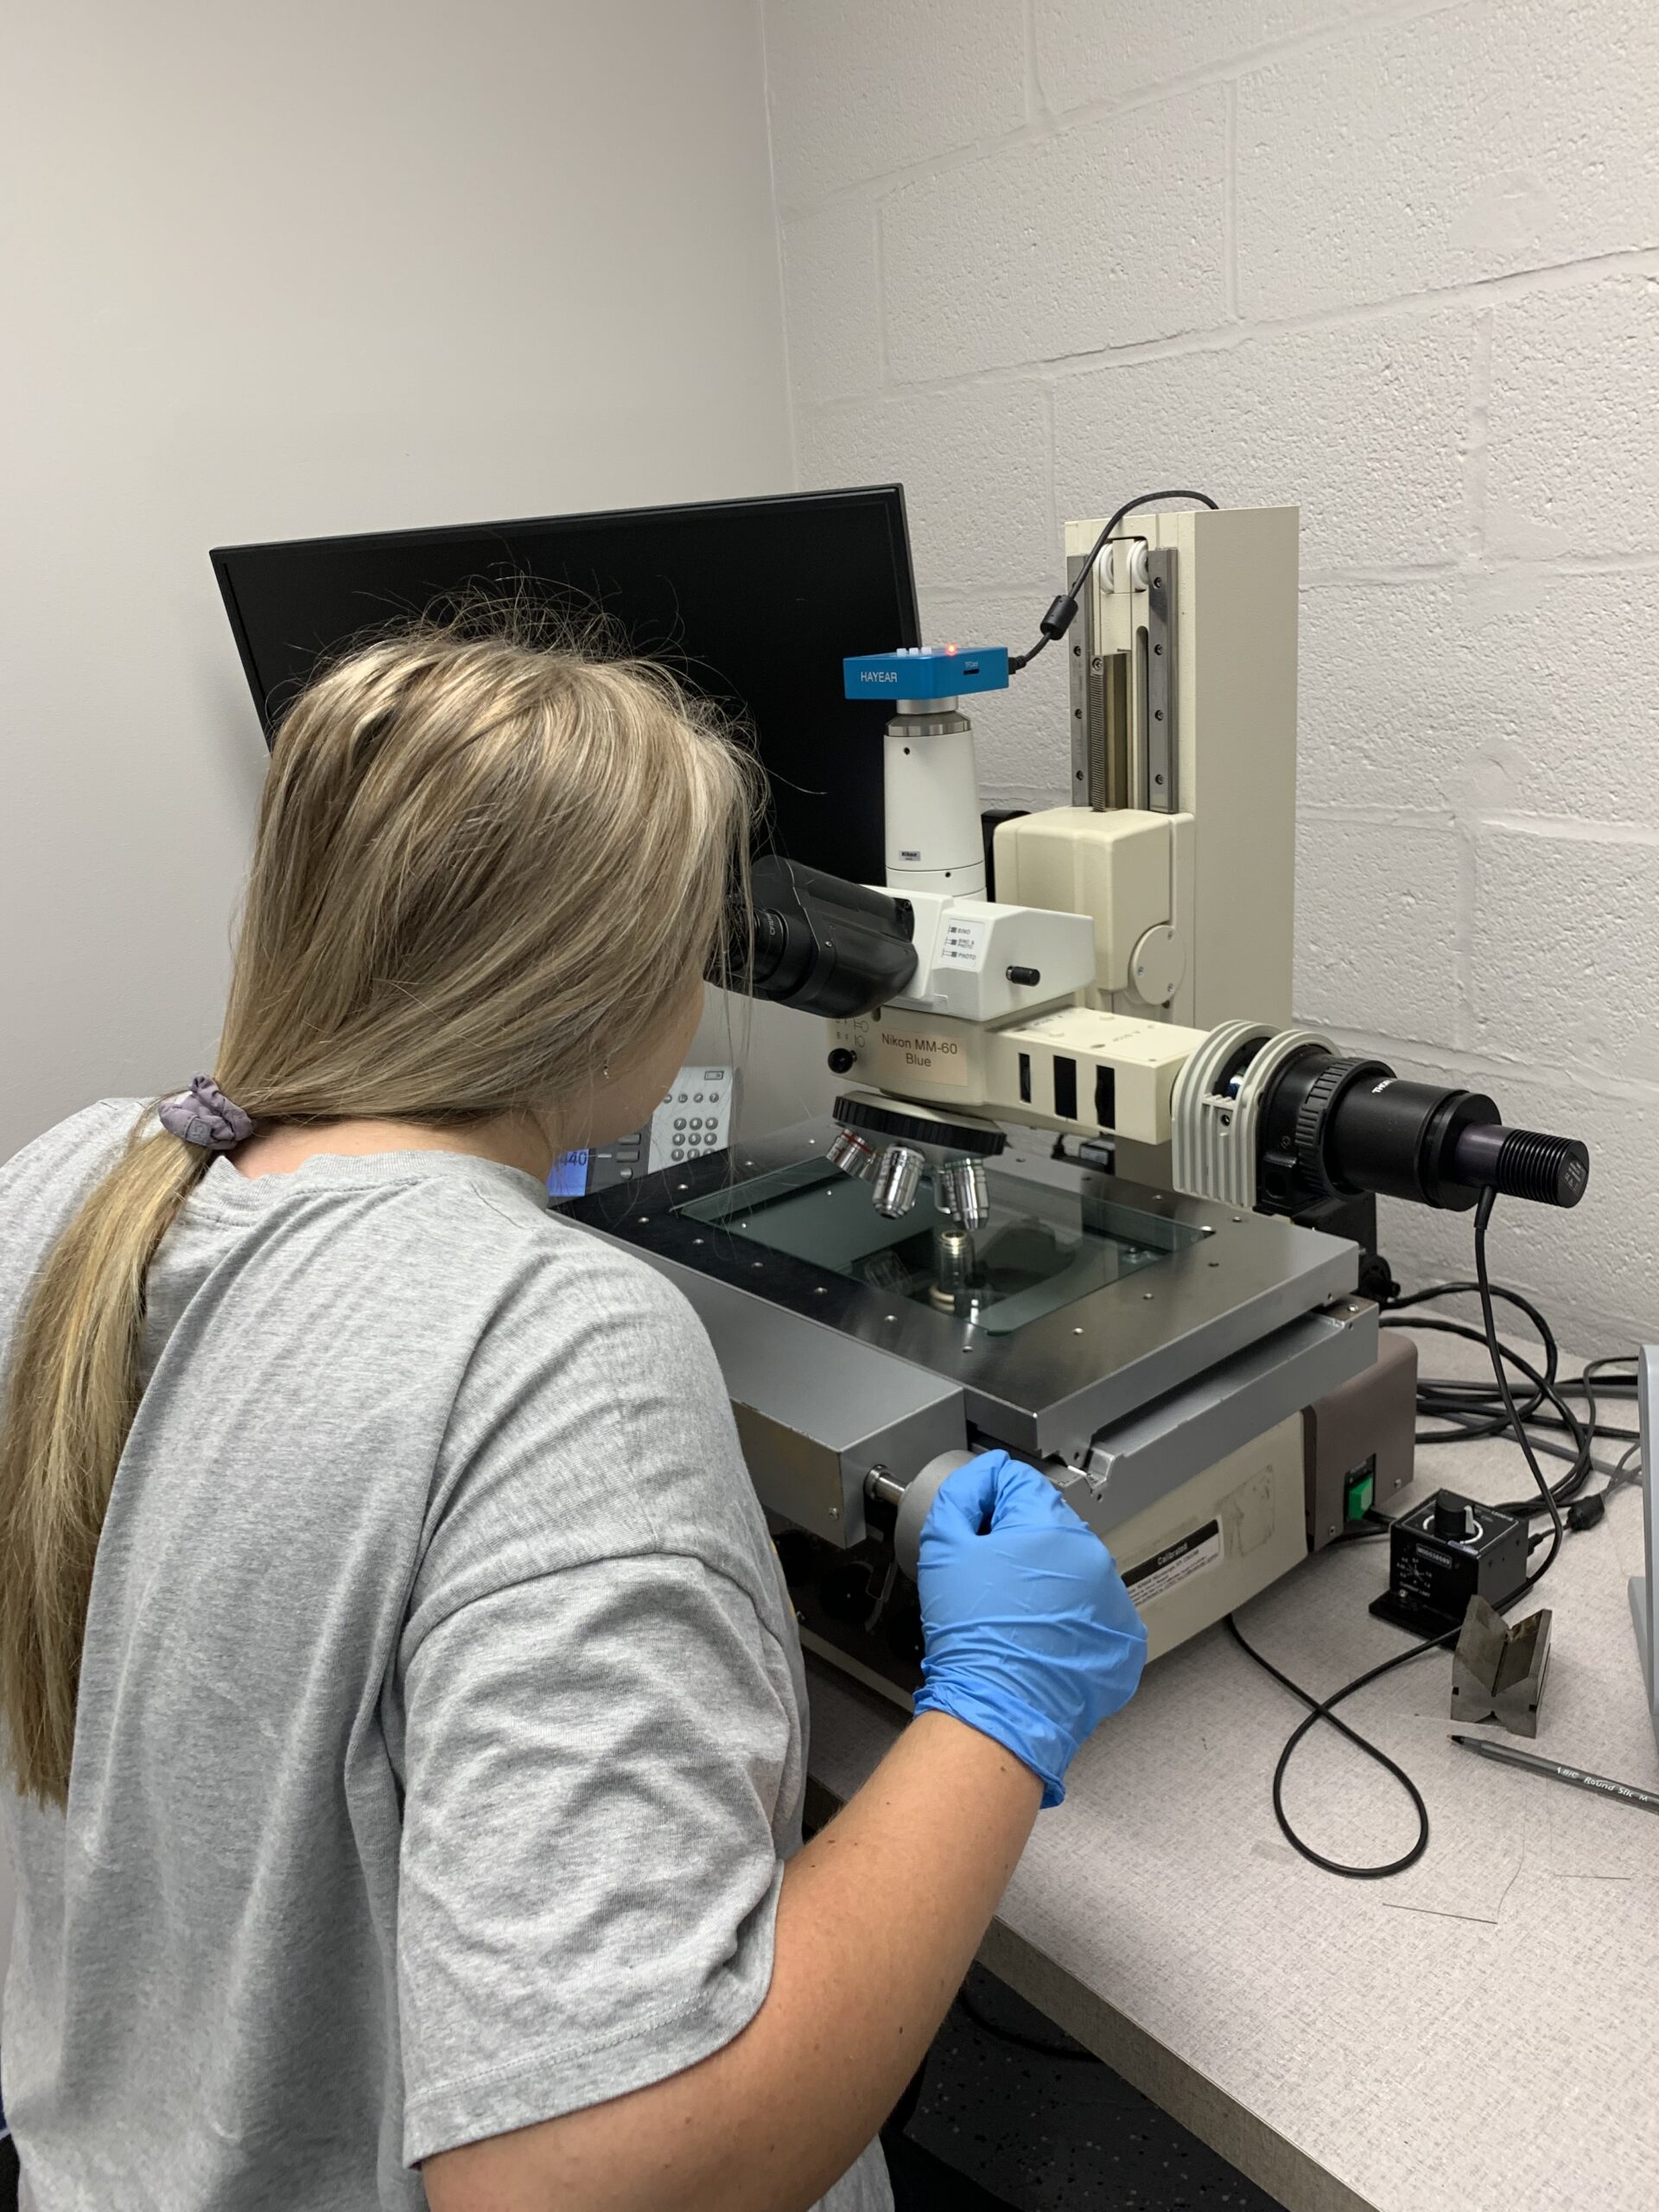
{"points": [[585, 1304], [619, 1279], [597, 1366], [83, 1143], [41, 1184]]}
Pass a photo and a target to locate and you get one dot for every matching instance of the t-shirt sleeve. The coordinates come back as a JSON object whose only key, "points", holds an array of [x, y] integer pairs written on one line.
{"points": [[596, 1742], [589, 1878]]}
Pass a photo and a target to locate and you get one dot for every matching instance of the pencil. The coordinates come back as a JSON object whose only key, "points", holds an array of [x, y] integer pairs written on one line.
{"points": [[1625, 1793]]}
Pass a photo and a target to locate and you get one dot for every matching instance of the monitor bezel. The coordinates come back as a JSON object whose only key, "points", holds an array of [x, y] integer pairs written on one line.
{"points": [[889, 498]]}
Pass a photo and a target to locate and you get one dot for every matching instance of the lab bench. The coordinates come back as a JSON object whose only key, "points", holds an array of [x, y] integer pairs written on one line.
{"points": [[1480, 2034]]}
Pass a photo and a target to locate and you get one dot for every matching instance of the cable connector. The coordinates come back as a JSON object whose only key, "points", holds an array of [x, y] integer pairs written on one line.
{"points": [[1063, 612]]}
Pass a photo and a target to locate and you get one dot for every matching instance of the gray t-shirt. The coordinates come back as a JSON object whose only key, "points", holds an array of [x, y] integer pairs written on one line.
{"points": [[440, 1737]]}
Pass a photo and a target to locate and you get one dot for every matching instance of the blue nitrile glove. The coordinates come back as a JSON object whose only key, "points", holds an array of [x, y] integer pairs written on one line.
{"points": [[1031, 1637]]}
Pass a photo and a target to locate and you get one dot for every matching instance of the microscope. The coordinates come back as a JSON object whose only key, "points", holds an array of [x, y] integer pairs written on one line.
{"points": [[1088, 1192]]}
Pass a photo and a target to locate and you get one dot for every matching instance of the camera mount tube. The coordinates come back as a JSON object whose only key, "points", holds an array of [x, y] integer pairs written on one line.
{"points": [[935, 840], [1334, 1126]]}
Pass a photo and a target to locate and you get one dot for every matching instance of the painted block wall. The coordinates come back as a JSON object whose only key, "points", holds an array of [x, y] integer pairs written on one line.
{"points": [[277, 272], [1398, 263]]}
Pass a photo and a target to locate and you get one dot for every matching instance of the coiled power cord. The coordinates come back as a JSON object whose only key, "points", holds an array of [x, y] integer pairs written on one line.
{"points": [[1468, 1411]]}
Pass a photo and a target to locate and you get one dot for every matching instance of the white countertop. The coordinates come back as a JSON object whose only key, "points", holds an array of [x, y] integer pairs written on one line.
{"points": [[1480, 2033]]}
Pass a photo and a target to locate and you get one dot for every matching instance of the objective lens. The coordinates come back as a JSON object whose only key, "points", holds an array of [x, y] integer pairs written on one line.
{"points": [[961, 1192], [853, 1155], [898, 1178]]}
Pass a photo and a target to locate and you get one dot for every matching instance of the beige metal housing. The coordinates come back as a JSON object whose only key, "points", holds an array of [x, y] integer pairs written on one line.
{"points": [[1118, 1073], [1216, 1542], [1233, 704], [1187, 724]]}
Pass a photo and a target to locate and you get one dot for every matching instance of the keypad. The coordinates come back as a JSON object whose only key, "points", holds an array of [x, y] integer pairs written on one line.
{"points": [[674, 1136]]}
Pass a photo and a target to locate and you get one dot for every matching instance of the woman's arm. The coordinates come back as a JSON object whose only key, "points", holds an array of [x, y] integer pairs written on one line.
{"points": [[879, 1918], [1031, 1639]]}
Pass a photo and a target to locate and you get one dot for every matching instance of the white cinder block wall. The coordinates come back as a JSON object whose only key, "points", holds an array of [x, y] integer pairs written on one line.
{"points": [[1396, 263]]}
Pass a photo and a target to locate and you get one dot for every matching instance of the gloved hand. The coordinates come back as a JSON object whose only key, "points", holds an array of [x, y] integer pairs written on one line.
{"points": [[1030, 1636]]}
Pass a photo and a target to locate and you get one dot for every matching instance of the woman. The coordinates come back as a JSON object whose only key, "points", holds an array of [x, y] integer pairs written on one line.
{"points": [[404, 1706]]}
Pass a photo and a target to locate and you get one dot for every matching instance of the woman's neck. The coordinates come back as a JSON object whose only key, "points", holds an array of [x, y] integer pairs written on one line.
{"points": [[514, 1140]]}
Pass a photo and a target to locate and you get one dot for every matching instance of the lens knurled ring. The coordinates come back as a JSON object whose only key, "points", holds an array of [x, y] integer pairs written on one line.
{"points": [[1321, 1095]]}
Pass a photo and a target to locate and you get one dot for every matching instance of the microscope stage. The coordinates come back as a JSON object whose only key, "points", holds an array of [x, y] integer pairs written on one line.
{"points": [[1080, 1302], [1040, 1250]]}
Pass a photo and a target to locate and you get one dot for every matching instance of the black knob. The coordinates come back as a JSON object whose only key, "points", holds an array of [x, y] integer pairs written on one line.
{"points": [[1454, 1519], [840, 1059], [1024, 975]]}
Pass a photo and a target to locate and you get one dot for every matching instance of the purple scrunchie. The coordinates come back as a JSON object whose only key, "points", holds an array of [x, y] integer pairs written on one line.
{"points": [[204, 1116]]}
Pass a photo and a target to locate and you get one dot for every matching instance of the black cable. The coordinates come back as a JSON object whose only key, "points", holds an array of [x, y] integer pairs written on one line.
{"points": [[1483, 1218], [1478, 1395], [1063, 612], [1320, 1710], [1021, 2042], [1475, 1409], [1324, 1708]]}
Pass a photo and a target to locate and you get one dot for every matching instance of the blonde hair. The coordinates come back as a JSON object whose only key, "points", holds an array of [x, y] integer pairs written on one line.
{"points": [[484, 870]]}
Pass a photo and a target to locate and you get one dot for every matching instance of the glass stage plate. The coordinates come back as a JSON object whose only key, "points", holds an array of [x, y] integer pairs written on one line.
{"points": [[1040, 1249]]}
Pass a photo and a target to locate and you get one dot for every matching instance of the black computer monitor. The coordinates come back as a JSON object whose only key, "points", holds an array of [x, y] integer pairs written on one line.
{"points": [[755, 602]]}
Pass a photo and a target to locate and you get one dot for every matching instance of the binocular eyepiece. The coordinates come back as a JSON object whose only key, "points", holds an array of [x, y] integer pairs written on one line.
{"points": [[820, 945]]}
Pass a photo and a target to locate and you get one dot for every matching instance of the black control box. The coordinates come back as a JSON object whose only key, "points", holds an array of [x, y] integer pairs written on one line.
{"points": [[1449, 1550]]}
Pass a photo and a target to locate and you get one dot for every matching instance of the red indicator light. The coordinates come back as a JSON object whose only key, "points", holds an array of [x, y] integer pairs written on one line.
{"points": [[949, 649]]}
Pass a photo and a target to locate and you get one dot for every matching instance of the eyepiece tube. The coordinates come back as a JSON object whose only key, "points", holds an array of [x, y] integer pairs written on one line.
{"points": [[824, 945]]}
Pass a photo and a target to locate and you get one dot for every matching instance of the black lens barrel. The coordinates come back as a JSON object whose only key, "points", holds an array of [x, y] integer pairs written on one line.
{"points": [[1334, 1126], [1401, 1139]]}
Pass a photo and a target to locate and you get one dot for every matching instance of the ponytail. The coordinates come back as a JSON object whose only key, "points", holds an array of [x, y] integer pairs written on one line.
{"points": [[72, 1392], [484, 870]]}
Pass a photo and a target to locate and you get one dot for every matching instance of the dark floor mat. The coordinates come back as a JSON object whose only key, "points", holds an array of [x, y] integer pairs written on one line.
{"points": [[922, 2182], [1050, 2134]]}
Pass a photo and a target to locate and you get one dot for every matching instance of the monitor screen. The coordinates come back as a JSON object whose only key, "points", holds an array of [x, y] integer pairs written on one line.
{"points": [[567, 1177], [755, 602]]}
